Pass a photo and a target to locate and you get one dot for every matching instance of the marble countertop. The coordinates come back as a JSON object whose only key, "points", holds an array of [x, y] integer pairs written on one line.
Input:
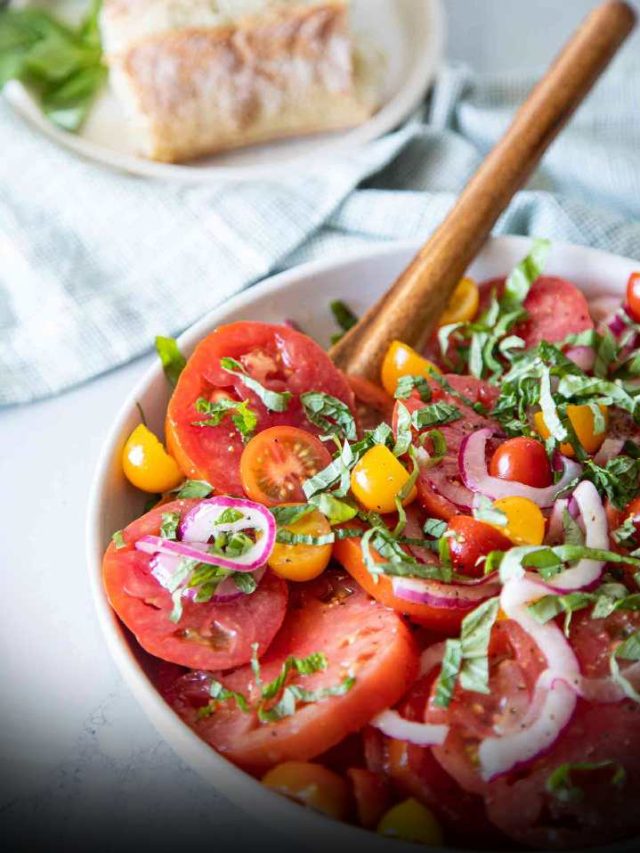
{"points": [[82, 766]]}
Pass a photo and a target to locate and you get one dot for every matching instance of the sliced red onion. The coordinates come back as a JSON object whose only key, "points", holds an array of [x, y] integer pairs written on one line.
{"points": [[431, 657], [197, 551], [473, 468], [452, 596], [583, 357], [602, 308], [201, 522], [594, 522], [605, 690], [610, 448], [164, 566], [555, 528], [391, 724], [551, 710]]}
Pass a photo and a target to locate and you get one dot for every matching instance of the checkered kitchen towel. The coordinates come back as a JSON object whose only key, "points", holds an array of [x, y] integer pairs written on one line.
{"points": [[94, 263]]}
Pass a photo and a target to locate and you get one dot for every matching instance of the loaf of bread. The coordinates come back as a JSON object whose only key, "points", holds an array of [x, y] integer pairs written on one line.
{"points": [[202, 76]]}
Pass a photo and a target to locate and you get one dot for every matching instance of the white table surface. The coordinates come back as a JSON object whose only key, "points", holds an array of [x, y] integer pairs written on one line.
{"points": [[81, 766]]}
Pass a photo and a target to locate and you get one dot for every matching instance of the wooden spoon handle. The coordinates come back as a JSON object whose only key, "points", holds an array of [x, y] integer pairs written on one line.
{"points": [[410, 309]]}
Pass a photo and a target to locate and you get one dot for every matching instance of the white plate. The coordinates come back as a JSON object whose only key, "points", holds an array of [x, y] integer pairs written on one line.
{"points": [[359, 279], [410, 34]]}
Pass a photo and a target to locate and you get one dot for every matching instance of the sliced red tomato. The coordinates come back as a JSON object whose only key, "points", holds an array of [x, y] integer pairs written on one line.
{"points": [[373, 403], [555, 307], [436, 504], [514, 666], [601, 812], [280, 358], [416, 772], [372, 795], [208, 636], [277, 461], [441, 619], [359, 638], [593, 640]]}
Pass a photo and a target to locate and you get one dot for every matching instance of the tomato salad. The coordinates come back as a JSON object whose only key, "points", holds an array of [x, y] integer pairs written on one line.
{"points": [[413, 606]]}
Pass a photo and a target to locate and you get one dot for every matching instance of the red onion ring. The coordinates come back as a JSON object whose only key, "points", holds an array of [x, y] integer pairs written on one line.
{"points": [[583, 357], [444, 479], [391, 724], [611, 447], [594, 522], [432, 657], [452, 596], [473, 469]]}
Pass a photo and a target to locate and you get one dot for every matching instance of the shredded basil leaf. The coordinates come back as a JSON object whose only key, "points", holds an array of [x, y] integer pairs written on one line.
{"points": [[335, 510], [434, 414], [242, 415], [290, 514], [173, 362], [275, 401], [169, 526], [525, 273], [560, 783], [408, 384], [194, 489], [286, 537], [343, 315], [293, 693], [118, 540], [404, 434], [485, 510], [629, 649], [315, 662], [330, 414]]}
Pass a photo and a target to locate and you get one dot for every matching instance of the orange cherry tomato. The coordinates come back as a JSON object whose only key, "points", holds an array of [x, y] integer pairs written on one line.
{"points": [[471, 540], [277, 461], [377, 479], [372, 795], [522, 460], [412, 821], [633, 296], [525, 521], [581, 418], [302, 562], [440, 619], [401, 360], [312, 785], [463, 305], [147, 465]]}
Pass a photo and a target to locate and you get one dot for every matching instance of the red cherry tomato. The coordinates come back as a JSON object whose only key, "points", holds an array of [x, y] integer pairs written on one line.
{"points": [[470, 541], [277, 461], [633, 296], [522, 460]]}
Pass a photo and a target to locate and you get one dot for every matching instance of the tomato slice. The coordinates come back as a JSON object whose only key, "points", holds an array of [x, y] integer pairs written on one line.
{"points": [[330, 615], [372, 795], [440, 619], [277, 461], [372, 402], [208, 636], [602, 812], [280, 358]]}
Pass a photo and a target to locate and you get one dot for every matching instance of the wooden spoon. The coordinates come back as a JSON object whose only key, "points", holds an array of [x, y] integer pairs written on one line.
{"points": [[410, 309]]}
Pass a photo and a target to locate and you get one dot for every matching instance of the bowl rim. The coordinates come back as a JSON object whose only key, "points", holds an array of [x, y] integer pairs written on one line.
{"points": [[185, 743]]}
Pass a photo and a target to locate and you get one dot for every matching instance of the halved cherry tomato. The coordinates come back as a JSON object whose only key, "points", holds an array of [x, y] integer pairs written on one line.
{"points": [[441, 619], [471, 540], [372, 795], [277, 357], [312, 785], [208, 635], [377, 479], [277, 461], [359, 638], [581, 418], [463, 305], [411, 821], [401, 360], [373, 404], [525, 521], [633, 296], [147, 465], [522, 460], [302, 562]]}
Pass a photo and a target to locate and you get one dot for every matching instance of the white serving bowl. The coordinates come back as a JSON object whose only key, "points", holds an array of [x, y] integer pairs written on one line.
{"points": [[302, 294]]}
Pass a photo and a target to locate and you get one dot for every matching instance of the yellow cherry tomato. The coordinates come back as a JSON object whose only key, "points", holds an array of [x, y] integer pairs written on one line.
{"points": [[302, 562], [377, 478], [581, 418], [312, 785], [411, 821], [525, 521], [401, 360], [147, 464], [463, 305]]}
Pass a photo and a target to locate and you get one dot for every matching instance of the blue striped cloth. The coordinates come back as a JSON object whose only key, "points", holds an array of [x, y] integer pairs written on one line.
{"points": [[94, 264]]}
